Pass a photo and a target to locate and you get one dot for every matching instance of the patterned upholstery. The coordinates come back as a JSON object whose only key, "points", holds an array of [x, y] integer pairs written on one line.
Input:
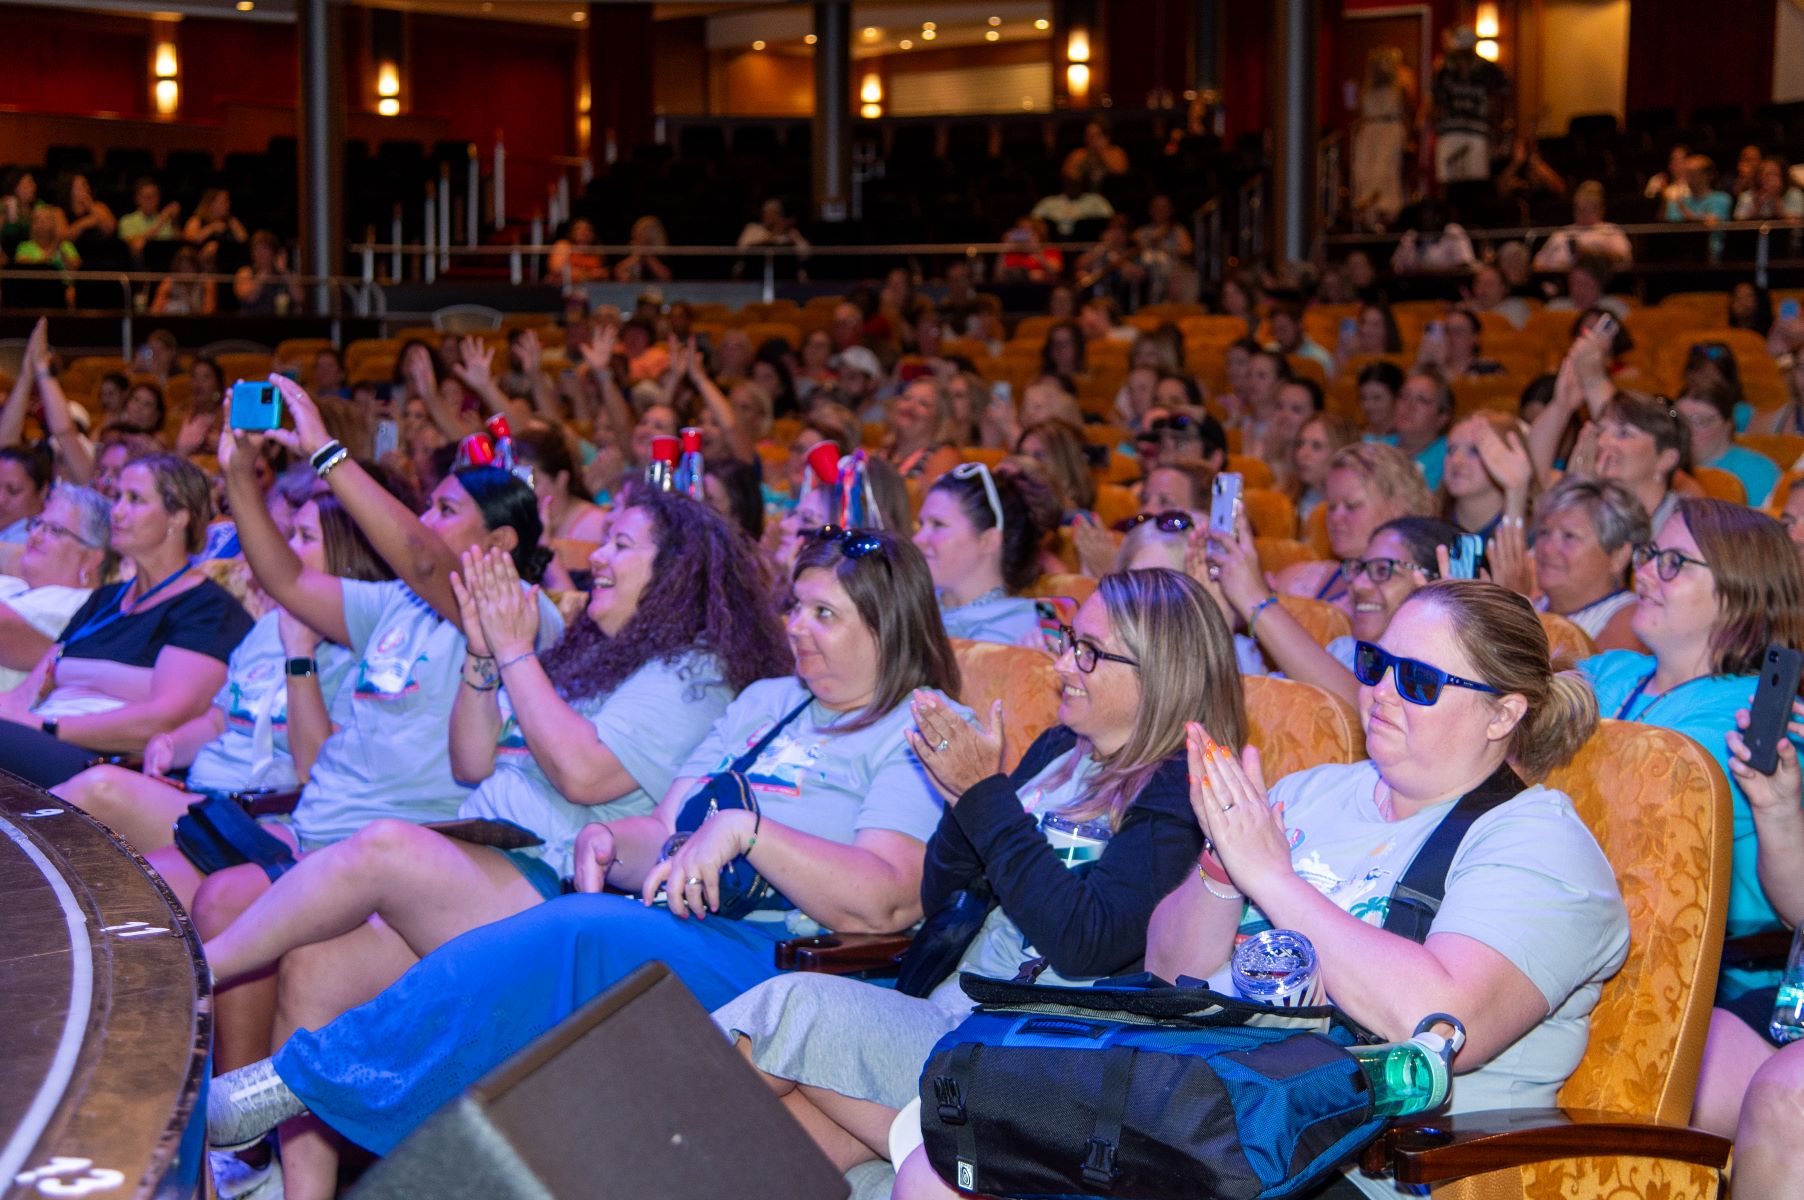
{"points": [[234, 575], [1272, 513], [1659, 807], [1074, 587], [1566, 642], [1021, 678], [1324, 621], [1719, 484], [1115, 504], [1298, 725]]}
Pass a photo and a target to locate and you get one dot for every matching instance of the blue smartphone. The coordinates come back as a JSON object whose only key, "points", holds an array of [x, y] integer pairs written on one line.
{"points": [[256, 407], [1462, 562], [1788, 310]]}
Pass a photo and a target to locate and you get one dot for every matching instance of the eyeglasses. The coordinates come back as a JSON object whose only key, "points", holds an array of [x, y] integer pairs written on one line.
{"points": [[1667, 563], [62, 531], [1177, 424], [1417, 682], [1085, 654], [1172, 520], [1380, 570], [980, 471]]}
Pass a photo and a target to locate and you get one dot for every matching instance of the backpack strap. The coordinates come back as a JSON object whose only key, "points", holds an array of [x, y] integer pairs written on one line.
{"points": [[745, 761], [1418, 894]]}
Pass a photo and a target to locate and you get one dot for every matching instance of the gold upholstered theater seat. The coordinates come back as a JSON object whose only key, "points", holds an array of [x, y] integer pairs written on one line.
{"points": [[1566, 642], [1298, 725], [1659, 807], [1022, 678]]}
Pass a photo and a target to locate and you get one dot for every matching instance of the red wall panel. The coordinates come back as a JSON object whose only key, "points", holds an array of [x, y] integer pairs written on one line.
{"points": [[1686, 54], [60, 62], [227, 62]]}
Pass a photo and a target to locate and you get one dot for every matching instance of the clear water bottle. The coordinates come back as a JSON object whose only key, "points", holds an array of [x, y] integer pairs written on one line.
{"points": [[1411, 1077], [1787, 1024], [689, 468]]}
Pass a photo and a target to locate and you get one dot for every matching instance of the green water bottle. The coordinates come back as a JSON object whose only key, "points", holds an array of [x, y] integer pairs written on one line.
{"points": [[1411, 1077]]}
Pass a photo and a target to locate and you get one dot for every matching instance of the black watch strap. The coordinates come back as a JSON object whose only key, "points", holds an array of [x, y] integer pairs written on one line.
{"points": [[48, 725], [302, 666]]}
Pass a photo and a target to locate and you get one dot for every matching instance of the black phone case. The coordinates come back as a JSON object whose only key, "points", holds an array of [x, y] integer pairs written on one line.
{"points": [[1771, 710], [488, 831]]}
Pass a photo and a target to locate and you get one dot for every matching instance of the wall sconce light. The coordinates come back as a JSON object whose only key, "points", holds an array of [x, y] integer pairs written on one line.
{"points": [[167, 94], [388, 80], [1077, 46], [1485, 24], [165, 61], [870, 95], [1077, 79], [165, 65]]}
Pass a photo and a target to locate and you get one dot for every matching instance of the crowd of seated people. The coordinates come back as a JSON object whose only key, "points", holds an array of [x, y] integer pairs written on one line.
{"points": [[897, 478]]}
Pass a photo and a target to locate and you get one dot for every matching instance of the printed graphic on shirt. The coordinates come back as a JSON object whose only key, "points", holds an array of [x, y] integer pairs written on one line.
{"points": [[244, 698], [382, 677], [785, 763]]}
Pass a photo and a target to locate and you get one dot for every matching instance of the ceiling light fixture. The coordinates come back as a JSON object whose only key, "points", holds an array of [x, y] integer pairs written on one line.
{"points": [[810, 40], [995, 21], [758, 45], [927, 35], [906, 44], [1042, 24], [990, 35]]}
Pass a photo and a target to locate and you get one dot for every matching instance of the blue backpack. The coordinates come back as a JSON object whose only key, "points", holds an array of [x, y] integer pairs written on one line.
{"points": [[1142, 1093]]}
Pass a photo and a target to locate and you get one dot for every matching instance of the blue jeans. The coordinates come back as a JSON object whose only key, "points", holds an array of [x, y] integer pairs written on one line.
{"points": [[379, 1070]]}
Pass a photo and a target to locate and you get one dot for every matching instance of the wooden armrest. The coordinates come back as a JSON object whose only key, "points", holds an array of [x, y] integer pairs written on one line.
{"points": [[1435, 1149], [268, 804], [131, 762], [1755, 949], [842, 953]]}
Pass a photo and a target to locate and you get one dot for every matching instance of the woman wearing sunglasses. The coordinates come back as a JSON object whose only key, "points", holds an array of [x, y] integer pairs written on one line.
{"points": [[844, 813], [1368, 484], [1078, 845], [1456, 695], [1400, 558], [1718, 584], [981, 535]]}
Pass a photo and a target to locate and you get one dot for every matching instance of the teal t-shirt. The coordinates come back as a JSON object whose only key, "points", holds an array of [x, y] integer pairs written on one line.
{"points": [[1703, 710], [652, 723], [1758, 473], [256, 690], [1013, 620], [1430, 460], [391, 756]]}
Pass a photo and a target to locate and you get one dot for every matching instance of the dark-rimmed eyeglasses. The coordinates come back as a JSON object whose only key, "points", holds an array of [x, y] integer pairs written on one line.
{"points": [[1172, 520], [62, 531], [1085, 654], [1380, 570], [1417, 681], [1667, 563]]}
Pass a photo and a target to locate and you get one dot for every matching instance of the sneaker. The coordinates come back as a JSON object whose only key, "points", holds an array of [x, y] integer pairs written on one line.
{"points": [[235, 1179]]}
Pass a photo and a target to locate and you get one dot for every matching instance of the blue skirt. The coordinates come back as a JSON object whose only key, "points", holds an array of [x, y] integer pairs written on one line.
{"points": [[379, 1070]]}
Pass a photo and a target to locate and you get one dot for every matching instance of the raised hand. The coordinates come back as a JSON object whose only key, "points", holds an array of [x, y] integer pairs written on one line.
{"points": [[955, 754], [476, 363]]}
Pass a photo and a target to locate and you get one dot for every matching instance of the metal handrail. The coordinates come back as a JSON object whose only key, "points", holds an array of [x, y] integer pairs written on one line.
{"points": [[1530, 233], [366, 297]]}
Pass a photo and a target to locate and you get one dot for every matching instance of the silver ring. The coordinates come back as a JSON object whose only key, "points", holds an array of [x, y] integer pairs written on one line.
{"points": [[1227, 807], [693, 882], [1214, 572], [943, 743]]}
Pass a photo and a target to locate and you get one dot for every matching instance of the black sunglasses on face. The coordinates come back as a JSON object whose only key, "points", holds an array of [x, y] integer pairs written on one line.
{"points": [[1172, 520], [1417, 681]]}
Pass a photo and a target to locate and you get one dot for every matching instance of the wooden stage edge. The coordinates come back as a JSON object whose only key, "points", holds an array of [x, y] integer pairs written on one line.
{"points": [[105, 1014]]}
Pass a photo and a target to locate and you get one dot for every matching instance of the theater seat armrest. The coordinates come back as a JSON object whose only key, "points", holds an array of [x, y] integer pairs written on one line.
{"points": [[842, 953], [1433, 1150], [1755, 949], [268, 804]]}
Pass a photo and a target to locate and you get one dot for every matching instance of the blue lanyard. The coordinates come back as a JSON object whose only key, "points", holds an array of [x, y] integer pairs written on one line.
{"points": [[100, 621], [1622, 714]]}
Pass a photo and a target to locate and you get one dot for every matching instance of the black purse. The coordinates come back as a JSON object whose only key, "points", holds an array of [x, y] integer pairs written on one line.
{"points": [[742, 889]]}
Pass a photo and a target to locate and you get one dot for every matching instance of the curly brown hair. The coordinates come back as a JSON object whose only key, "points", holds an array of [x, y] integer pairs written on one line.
{"points": [[707, 593]]}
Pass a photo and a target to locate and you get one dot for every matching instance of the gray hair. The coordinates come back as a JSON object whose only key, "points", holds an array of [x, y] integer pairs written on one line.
{"points": [[93, 520], [1614, 511]]}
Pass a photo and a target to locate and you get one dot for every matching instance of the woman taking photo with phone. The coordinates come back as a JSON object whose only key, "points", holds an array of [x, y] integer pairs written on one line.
{"points": [[1718, 585]]}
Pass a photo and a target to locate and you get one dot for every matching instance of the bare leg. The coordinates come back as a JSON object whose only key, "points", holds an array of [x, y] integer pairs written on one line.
{"points": [[915, 1180], [244, 1011], [1732, 1054], [314, 984], [138, 808], [1769, 1154], [426, 887], [848, 1131], [177, 872]]}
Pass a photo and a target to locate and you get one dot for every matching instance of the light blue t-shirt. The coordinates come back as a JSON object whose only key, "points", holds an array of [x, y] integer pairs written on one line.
{"points": [[1012, 620], [1758, 473], [652, 722], [1702, 709], [391, 756], [1528, 880], [819, 781], [257, 682]]}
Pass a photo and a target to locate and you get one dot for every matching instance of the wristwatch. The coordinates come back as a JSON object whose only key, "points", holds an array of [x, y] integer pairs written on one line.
{"points": [[48, 725], [302, 666]]}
